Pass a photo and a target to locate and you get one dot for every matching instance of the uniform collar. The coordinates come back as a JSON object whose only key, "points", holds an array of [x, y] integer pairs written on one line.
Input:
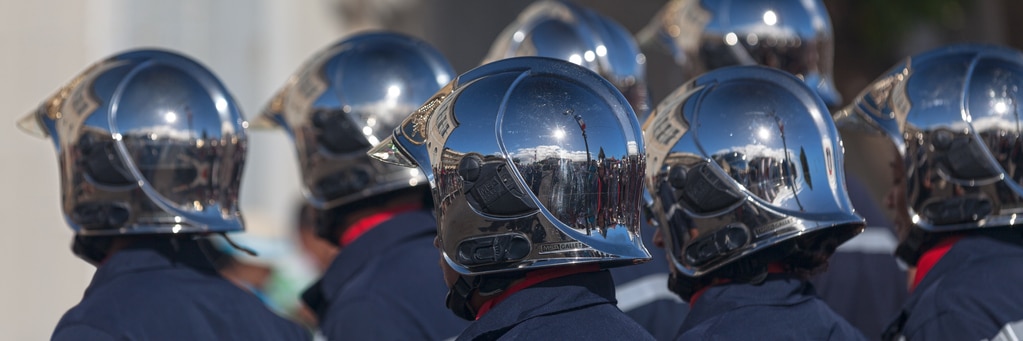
{"points": [[150, 255], [931, 257], [364, 250], [964, 254], [776, 290], [545, 298], [966, 251], [367, 223], [531, 279]]}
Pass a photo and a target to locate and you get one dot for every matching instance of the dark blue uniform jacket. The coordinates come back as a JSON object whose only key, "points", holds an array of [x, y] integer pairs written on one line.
{"points": [[974, 292], [864, 284], [781, 308], [573, 307], [159, 290], [643, 292], [386, 285]]}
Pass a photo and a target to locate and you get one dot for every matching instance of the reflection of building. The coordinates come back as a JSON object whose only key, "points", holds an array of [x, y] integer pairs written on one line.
{"points": [[764, 176], [181, 172]]}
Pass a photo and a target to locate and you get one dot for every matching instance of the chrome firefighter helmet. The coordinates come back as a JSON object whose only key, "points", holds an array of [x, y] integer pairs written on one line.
{"points": [[345, 99], [792, 35], [939, 136], [743, 160], [149, 142], [566, 31], [534, 162]]}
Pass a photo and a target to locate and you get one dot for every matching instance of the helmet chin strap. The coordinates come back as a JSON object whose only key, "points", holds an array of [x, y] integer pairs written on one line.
{"points": [[459, 298], [91, 249]]}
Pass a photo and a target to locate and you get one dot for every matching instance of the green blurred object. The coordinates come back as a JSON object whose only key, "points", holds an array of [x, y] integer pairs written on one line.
{"points": [[883, 23]]}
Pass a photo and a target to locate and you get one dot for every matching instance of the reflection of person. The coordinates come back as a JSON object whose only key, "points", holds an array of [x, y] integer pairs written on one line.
{"points": [[567, 31], [518, 282], [382, 284], [742, 256], [953, 196], [138, 212]]}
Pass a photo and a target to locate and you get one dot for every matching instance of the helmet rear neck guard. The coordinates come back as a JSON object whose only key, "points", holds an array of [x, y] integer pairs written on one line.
{"points": [[534, 162], [742, 160], [149, 142], [937, 135]]}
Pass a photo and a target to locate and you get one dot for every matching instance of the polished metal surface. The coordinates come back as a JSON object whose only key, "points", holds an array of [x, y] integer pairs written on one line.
{"points": [[534, 162], [149, 141], [566, 31], [345, 99], [740, 159], [939, 135], [792, 35]]}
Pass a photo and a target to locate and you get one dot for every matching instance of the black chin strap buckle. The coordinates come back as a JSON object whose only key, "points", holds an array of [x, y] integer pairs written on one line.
{"points": [[458, 299]]}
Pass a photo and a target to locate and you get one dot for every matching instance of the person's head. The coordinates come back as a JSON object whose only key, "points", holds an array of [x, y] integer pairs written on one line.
{"points": [[939, 133], [745, 168], [534, 163], [344, 99], [149, 143], [792, 35], [563, 30]]}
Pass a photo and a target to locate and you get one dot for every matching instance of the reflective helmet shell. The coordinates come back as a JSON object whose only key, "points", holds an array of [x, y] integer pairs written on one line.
{"points": [[149, 142], [939, 136], [347, 98], [741, 159], [566, 31], [534, 162], [792, 35]]}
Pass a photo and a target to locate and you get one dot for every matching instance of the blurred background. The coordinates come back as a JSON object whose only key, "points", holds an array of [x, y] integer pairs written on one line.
{"points": [[254, 45]]}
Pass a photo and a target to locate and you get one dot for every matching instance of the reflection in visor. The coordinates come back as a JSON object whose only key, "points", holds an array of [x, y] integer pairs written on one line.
{"points": [[179, 142], [588, 176]]}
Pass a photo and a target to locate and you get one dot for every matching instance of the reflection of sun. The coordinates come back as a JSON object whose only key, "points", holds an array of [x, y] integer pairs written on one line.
{"points": [[559, 133], [1001, 107], [763, 133]]}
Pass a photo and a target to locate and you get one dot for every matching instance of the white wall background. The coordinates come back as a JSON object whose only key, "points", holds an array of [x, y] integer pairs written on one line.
{"points": [[253, 45]]}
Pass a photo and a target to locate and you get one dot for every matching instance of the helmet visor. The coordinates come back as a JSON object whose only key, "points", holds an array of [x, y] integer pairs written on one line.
{"points": [[579, 160], [181, 140]]}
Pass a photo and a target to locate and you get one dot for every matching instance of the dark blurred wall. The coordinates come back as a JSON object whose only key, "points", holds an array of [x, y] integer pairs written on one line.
{"points": [[870, 35]]}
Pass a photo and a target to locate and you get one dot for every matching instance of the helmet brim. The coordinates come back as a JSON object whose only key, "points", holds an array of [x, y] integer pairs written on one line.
{"points": [[389, 151]]}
